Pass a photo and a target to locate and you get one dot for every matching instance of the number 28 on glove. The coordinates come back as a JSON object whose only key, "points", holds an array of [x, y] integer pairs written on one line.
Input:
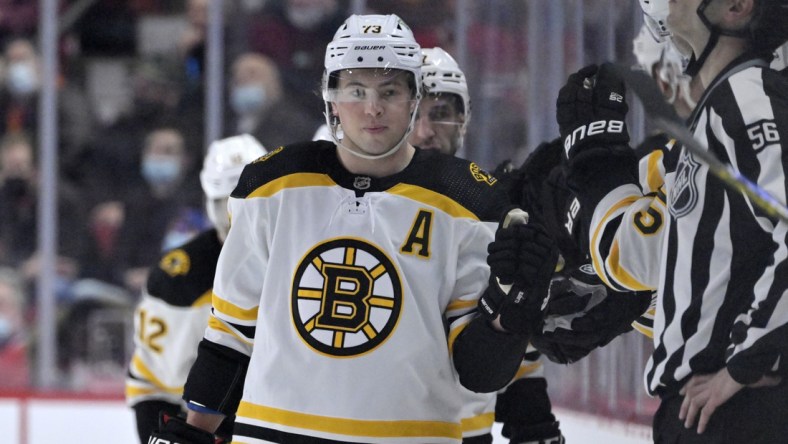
{"points": [[591, 109]]}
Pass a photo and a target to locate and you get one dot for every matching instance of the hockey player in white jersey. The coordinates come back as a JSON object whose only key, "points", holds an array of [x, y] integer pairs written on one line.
{"points": [[716, 259], [344, 303], [171, 317], [524, 407]]}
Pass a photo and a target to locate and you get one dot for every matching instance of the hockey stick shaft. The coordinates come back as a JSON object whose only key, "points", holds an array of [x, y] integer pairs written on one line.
{"points": [[725, 172], [664, 117]]}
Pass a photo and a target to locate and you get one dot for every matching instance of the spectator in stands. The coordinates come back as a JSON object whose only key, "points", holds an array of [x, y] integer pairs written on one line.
{"points": [[191, 43], [163, 213], [261, 108], [17, 18], [430, 20], [14, 366], [108, 28], [101, 259], [19, 106], [294, 34], [114, 163], [19, 193]]}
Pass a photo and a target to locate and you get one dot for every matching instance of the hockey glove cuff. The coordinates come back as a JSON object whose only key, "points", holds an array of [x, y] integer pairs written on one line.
{"points": [[174, 430]]}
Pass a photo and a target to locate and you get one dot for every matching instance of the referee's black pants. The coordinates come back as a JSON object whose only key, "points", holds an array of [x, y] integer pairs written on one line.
{"points": [[752, 416]]}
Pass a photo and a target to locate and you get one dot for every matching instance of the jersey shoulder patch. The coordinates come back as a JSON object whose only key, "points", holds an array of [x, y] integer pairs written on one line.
{"points": [[462, 181], [184, 274]]}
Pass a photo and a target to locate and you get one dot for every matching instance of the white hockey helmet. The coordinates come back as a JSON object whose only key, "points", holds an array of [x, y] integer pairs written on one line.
{"points": [[224, 162], [656, 17], [373, 41], [377, 42], [650, 53], [440, 73]]}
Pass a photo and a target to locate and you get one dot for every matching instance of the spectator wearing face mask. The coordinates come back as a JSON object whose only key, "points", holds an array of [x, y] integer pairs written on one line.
{"points": [[21, 84], [19, 197], [164, 212], [294, 34], [260, 107]]}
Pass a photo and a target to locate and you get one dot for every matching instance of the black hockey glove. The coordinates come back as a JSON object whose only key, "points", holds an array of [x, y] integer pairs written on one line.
{"points": [[591, 110], [522, 258], [582, 314], [174, 430]]}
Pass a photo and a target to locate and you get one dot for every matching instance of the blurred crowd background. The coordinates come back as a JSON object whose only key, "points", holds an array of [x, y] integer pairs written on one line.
{"points": [[131, 88]]}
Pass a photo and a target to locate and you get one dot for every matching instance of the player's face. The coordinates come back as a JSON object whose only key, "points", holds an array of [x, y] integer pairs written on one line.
{"points": [[683, 19], [438, 124], [374, 107]]}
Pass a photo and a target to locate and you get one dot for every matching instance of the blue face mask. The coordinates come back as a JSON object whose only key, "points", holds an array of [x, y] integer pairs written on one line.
{"points": [[21, 79], [248, 99], [6, 330], [160, 170]]}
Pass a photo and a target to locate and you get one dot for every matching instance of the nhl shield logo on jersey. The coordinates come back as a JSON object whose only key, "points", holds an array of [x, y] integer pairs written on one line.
{"points": [[346, 298], [684, 193], [362, 182]]}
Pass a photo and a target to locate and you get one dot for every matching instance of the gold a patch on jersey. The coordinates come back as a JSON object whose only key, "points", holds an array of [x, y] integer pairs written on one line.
{"points": [[346, 298]]}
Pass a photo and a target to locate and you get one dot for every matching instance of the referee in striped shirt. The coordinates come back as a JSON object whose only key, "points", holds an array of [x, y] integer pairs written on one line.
{"points": [[719, 263]]}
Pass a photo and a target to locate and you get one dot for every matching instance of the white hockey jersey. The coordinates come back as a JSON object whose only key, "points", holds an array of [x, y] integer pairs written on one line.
{"points": [[347, 292], [170, 319]]}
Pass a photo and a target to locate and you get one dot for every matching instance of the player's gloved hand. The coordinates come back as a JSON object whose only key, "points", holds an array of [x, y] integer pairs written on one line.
{"points": [[174, 430], [582, 314], [591, 110], [522, 258]]}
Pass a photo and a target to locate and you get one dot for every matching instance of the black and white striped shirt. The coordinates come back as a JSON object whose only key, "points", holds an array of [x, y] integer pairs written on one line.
{"points": [[720, 264]]}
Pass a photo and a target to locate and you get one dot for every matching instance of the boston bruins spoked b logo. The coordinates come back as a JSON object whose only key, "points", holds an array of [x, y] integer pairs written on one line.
{"points": [[347, 297]]}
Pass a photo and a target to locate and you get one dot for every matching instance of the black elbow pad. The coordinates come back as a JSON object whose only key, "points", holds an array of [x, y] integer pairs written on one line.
{"points": [[216, 379], [486, 360]]}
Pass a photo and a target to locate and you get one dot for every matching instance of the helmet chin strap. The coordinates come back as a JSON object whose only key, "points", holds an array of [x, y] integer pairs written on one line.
{"points": [[694, 65]]}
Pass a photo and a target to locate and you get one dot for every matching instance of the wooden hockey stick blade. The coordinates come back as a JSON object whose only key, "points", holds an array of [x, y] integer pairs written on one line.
{"points": [[664, 116]]}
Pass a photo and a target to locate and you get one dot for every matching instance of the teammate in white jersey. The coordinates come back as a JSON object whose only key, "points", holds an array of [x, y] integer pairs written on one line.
{"points": [[524, 408], [716, 259], [344, 303], [171, 317]]}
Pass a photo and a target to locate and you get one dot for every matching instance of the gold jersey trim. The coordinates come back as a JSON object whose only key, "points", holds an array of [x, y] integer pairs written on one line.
{"points": [[479, 422], [350, 427], [138, 367], [232, 310], [295, 180]]}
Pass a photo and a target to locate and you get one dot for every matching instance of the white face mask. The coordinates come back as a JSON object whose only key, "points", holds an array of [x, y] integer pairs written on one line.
{"points": [[21, 79], [161, 170], [248, 99], [306, 17]]}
